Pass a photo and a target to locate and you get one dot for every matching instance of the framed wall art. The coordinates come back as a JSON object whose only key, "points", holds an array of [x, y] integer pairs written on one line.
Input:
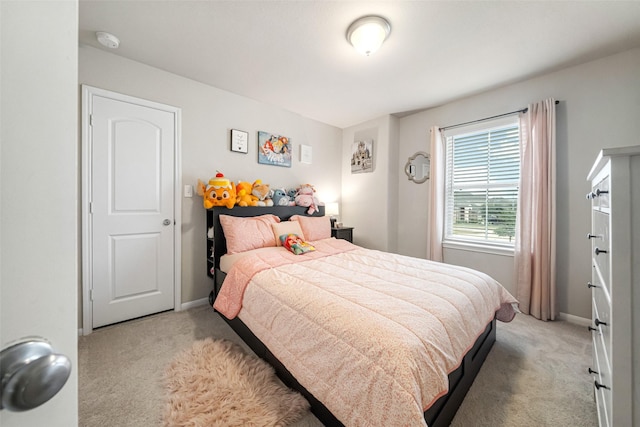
{"points": [[274, 149], [306, 154], [239, 141], [362, 156]]}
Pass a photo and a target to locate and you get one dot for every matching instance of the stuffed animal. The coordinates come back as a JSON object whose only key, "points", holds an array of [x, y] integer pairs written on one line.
{"points": [[292, 195], [305, 197], [205, 191], [263, 193], [243, 194], [219, 191], [280, 198]]}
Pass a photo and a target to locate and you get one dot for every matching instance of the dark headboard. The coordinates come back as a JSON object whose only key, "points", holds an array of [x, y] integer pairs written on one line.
{"points": [[213, 220]]}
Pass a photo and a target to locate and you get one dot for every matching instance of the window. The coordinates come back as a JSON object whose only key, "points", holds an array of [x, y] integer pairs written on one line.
{"points": [[482, 174]]}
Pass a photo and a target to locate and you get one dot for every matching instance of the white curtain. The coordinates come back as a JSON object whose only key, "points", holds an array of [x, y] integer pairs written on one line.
{"points": [[535, 244], [436, 200]]}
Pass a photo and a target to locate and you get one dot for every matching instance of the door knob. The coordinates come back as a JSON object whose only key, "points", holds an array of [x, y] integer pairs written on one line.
{"points": [[31, 374], [166, 222]]}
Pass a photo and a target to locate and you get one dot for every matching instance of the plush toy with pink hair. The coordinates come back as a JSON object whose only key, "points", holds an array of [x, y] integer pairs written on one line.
{"points": [[305, 197]]}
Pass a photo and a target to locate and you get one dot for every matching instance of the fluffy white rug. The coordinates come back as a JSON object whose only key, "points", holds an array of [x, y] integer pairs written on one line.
{"points": [[216, 383]]}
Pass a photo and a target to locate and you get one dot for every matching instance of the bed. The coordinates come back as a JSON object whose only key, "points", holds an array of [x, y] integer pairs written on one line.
{"points": [[370, 361]]}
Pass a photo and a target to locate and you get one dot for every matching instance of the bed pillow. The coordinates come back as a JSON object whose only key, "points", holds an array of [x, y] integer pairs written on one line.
{"points": [[286, 227], [295, 244], [244, 234], [314, 227]]}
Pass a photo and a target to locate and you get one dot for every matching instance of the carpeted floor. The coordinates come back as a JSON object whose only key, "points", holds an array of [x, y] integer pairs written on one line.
{"points": [[535, 375]]}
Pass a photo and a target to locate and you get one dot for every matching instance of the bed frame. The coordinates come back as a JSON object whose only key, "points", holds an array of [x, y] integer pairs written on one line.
{"points": [[440, 414]]}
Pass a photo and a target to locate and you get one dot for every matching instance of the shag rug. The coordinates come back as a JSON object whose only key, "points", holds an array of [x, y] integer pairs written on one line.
{"points": [[217, 383]]}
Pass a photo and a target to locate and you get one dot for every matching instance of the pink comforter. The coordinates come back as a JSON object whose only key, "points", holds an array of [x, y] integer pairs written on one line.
{"points": [[229, 299], [370, 334]]}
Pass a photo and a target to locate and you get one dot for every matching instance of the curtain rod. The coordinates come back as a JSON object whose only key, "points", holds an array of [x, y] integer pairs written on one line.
{"points": [[524, 110]]}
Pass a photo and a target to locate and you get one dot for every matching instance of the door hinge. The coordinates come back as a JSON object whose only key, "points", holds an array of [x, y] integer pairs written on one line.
{"points": [[90, 119], [91, 294], [90, 207]]}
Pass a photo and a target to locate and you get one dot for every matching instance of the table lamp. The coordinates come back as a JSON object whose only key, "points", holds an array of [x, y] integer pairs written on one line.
{"points": [[332, 210]]}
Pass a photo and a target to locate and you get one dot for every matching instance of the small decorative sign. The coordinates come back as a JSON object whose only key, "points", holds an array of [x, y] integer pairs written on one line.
{"points": [[306, 154], [274, 149], [239, 141]]}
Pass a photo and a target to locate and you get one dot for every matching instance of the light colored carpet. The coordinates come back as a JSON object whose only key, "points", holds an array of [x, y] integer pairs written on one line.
{"points": [[217, 383], [535, 375]]}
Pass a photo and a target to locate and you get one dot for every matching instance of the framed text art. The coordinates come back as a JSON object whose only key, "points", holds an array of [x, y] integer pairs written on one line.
{"points": [[274, 149], [306, 154], [239, 141]]}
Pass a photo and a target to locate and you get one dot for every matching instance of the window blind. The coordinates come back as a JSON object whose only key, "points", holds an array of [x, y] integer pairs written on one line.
{"points": [[483, 170]]}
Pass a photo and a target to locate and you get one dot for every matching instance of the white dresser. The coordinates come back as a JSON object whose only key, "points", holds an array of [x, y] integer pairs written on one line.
{"points": [[615, 285]]}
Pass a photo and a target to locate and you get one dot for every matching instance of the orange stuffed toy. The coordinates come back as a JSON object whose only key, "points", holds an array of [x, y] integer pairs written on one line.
{"points": [[218, 192], [243, 195], [263, 193]]}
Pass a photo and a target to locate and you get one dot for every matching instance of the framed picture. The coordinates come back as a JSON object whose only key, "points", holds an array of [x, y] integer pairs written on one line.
{"points": [[239, 141], [274, 149], [306, 154], [362, 156]]}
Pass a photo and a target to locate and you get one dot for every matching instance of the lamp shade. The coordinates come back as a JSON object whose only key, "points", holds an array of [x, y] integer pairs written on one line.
{"points": [[368, 33], [331, 209]]}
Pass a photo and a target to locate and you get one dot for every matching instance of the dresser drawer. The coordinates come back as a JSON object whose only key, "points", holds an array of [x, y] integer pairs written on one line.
{"points": [[600, 193], [603, 362], [602, 322], [603, 402], [600, 246]]}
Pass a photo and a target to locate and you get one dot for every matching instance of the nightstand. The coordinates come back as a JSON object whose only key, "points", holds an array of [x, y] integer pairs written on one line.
{"points": [[345, 233]]}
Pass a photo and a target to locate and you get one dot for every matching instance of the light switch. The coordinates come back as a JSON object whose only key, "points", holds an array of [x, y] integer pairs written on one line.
{"points": [[188, 190]]}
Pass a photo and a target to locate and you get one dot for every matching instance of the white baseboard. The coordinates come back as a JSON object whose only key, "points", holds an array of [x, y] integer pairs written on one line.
{"points": [[196, 303], [184, 306], [576, 320]]}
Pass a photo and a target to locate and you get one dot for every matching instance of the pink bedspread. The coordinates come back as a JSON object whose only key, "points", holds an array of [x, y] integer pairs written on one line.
{"points": [[229, 299], [370, 334]]}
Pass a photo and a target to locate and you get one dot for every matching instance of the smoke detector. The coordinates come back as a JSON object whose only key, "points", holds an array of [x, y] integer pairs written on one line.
{"points": [[108, 39]]}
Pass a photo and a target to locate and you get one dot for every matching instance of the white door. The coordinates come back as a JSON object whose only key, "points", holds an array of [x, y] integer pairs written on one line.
{"points": [[39, 191], [131, 211]]}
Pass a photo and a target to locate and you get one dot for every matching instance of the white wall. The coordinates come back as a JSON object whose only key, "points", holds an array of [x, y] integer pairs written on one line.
{"points": [[207, 116], [369, 200], [39, 190], [599, 107]]}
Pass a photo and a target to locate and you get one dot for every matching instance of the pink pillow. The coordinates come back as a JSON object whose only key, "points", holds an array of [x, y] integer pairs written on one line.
{"points": [[314, 227], [244, 234]]}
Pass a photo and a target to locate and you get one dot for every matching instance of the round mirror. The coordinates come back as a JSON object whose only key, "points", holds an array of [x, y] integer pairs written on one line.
{"points": [[417, 167]]}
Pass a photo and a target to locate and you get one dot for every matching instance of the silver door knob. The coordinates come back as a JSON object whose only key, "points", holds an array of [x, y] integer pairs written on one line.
{"points": [[166, 222], [31, 374]]}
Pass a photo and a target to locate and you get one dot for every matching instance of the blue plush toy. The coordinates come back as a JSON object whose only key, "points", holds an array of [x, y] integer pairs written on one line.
{"points": [[280, 198]]}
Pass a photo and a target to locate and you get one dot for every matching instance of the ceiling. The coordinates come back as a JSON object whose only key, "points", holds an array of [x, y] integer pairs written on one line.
{"points": [[294, 54]]}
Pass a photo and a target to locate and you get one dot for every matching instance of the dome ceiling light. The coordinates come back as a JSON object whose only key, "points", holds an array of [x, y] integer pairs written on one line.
{"points": [[368, 33]]}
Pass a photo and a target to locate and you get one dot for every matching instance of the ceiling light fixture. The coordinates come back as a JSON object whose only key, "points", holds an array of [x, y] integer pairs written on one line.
{"points": [[108, 39], [368, 33]]}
